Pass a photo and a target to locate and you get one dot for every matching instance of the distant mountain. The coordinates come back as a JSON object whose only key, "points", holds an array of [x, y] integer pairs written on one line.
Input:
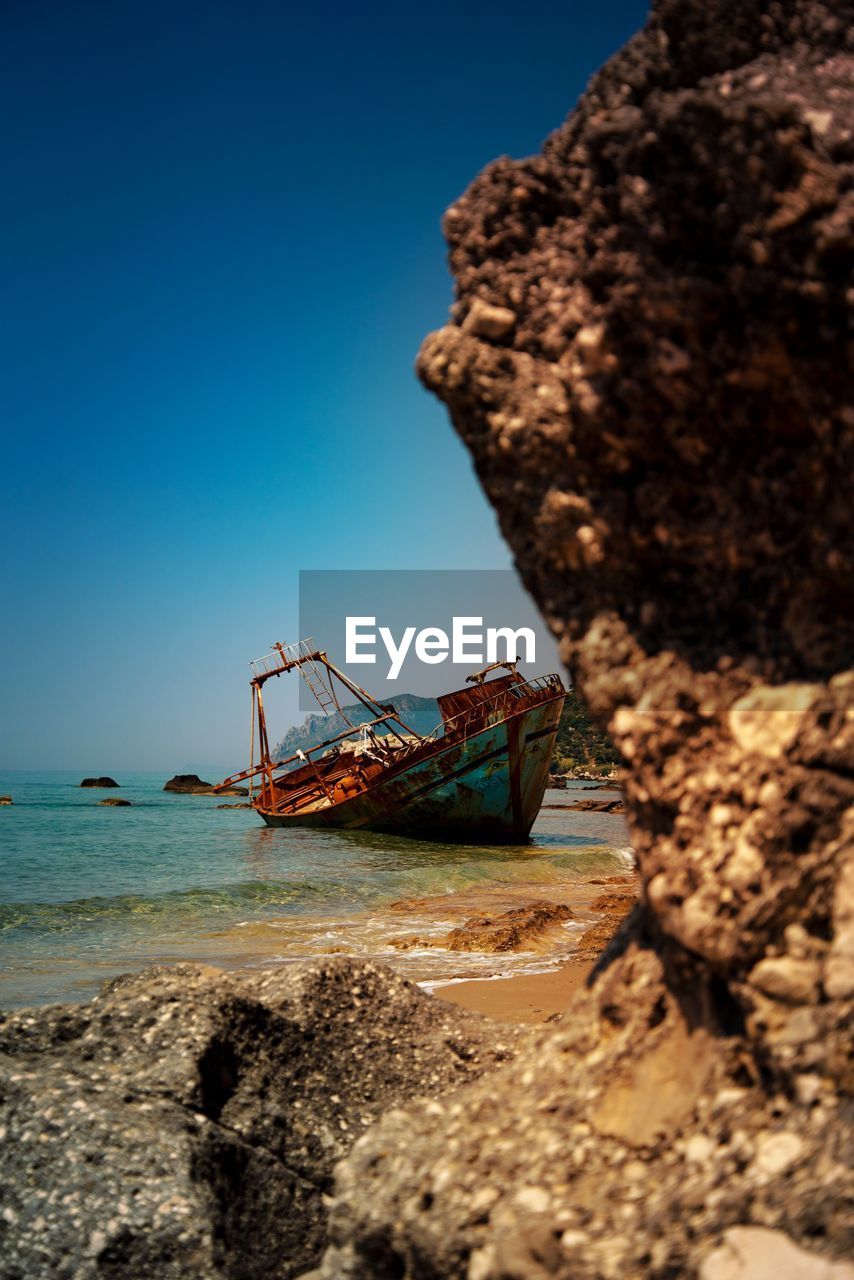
{"points": [[420, 714], [579, 743]]}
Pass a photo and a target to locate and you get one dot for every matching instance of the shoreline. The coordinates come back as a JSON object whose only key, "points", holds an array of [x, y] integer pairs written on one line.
{"points": [[533, 998], [230, 896], [524, 998]]}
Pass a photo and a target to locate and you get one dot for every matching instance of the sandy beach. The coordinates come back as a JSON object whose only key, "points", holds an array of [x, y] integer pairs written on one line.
{"points": [[528, 998], [92, 892], [543, 997]]}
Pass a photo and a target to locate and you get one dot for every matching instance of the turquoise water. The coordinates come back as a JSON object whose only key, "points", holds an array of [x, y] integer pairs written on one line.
{"points": [[88, 891]]}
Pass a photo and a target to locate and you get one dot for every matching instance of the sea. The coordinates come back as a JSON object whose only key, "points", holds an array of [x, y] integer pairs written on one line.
{"points": [[88, 892]]}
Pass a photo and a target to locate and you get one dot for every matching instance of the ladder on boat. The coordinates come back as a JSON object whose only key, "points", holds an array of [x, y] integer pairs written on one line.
{"points": [[310, 663], [323, 693]]}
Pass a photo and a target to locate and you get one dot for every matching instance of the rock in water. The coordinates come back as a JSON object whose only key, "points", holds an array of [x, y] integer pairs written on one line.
{"points": [[99, 782], [665, 431], [591, 806], [186, 1122], [191, 784], [115, 803], [6, 800], [188, 784], [509, 930], [513, 930]]}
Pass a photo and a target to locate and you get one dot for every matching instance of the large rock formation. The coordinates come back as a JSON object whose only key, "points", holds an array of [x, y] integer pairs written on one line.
{"points": [[186, 1124], [649, 359]]}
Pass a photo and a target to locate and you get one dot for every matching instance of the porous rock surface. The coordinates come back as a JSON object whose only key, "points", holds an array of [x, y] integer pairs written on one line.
{"points": [[186, 1123], [649, 359]]}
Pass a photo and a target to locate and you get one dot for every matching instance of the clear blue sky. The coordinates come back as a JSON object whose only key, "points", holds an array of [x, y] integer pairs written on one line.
{"points": [[220, 251]]}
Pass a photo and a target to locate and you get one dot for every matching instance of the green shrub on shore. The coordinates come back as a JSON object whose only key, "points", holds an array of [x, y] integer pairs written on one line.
{"points": [[580, 745]]}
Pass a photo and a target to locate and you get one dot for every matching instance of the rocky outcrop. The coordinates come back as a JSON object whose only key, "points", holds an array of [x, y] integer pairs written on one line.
{"points": [[591, 806], [507, 931], [115, 803], [648, 359], [99, 782], [188, 784], [187, 1123], [612, 909], [584, 775]]}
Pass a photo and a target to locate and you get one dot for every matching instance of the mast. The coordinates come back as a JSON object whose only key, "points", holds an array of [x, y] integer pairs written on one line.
{"points": [[312, 665], [301, 656]]}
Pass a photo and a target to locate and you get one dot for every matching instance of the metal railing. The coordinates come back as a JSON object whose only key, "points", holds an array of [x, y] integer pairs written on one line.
{"points": [[272, 662], [501, 701], [507, 700]]}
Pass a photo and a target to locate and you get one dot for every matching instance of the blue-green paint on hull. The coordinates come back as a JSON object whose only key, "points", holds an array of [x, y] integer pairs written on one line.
{"points": [[489, 785]]}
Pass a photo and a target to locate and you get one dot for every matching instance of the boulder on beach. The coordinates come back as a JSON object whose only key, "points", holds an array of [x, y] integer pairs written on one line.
{"points": [[512, 930], [509, 930], [666, 435], [187, 1122], [99, 782], [115, 803], [188, 784]]}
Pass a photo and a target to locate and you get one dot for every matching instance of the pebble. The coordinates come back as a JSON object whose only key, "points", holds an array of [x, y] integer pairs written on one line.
{"points": [[757, 1253], [786, 978], [487, 321], [808, 1089], [699, 1148], [534, 1199], [776, 1152], [767, 719]]}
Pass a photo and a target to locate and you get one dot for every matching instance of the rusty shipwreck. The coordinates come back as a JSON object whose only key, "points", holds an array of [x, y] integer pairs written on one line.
{"points": [[480, 775]]}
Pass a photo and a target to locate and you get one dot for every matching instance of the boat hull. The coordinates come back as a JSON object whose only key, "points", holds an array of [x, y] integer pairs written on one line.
{"points": [[488, 786]]}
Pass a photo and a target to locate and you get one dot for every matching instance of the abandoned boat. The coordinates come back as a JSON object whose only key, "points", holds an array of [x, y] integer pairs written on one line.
{"points": [[480, 775]]}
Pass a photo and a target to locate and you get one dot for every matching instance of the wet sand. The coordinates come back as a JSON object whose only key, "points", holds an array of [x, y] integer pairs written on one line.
{"points": [[543, 997], [528, 998]]}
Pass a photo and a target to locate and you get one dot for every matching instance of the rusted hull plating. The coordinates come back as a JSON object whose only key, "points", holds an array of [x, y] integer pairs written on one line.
{"points": [[488, 786]]}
